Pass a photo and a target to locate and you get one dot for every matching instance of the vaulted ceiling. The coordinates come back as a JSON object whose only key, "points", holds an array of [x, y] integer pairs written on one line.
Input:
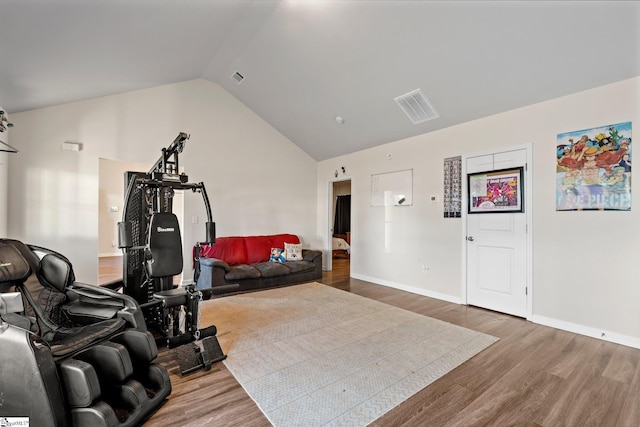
{"points": [[305, 63]]}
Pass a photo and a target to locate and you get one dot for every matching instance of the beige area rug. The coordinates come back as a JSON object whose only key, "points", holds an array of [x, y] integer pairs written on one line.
{"points": [[312, 355]]}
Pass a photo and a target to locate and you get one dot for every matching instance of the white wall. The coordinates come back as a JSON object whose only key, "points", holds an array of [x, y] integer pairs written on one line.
{"points": [[586, 277], [53, 196]]}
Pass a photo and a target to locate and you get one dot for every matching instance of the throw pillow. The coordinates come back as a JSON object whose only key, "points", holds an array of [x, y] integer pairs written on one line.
{"points": [[293, 252], [276, 255]]}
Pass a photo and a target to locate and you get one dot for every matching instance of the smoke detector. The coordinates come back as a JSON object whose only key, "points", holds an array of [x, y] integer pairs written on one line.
{"points": [[237, 77], [417, 107]]}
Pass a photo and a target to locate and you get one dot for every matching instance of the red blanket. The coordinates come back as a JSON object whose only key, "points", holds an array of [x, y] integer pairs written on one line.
{"points": [[245, 250]]}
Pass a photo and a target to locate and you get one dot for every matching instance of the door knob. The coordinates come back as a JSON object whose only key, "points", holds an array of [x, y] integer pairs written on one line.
{"points": [[470, 238]]}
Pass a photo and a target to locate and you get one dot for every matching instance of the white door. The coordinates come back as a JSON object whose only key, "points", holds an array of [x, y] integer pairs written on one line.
{"points": [[497, 246]]}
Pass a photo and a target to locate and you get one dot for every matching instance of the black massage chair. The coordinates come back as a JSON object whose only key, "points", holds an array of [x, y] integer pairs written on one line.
{"points": [[72, 354]]}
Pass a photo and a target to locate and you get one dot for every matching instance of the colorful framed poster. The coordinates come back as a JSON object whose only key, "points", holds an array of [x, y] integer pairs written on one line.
{"points": [[496, 191], [593, 169]]}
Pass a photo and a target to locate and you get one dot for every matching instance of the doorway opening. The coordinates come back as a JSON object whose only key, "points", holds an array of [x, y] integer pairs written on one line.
{"points": [[340, 225]]}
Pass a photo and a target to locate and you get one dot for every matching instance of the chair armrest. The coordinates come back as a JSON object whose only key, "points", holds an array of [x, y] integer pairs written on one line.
{"points": [[215, 262], [87, 313], [311, 255], [125, 306], [89, 295], [212, 274], [114, 285], [99, 292]]}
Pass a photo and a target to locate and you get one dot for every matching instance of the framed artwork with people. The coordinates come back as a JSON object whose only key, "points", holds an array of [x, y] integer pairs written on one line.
{"points": [[593, 170]]}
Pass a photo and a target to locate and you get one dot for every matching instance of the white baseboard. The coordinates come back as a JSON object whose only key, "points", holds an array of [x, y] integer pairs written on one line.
{"points": [[541, 320], [412, 289], [587, 331], [103, 255]]}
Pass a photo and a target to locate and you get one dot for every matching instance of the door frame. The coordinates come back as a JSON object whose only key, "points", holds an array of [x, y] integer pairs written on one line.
{"points": [[528, 210], [329, 227]]}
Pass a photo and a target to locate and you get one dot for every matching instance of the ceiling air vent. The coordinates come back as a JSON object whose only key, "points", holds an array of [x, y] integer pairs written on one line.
{"points": [[417, 107], [237, 77]]}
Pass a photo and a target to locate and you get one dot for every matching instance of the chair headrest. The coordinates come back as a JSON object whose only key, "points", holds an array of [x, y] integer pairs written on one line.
{"points": [[56, 272], [13, 266]]}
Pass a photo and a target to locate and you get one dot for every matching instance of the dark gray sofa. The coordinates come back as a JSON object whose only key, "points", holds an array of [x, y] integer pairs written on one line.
{"points": [[240, 264]]}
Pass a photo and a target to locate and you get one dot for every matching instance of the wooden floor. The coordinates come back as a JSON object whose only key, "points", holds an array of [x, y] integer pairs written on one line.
{"points": [[533, 376], [109, 269]]}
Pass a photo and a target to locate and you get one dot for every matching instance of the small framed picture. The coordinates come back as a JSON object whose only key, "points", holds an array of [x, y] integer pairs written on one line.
{"points": [[496, 191]]}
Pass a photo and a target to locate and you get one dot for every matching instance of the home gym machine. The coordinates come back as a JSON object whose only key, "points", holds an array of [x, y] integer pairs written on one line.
{"points": [[149, 236]]}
